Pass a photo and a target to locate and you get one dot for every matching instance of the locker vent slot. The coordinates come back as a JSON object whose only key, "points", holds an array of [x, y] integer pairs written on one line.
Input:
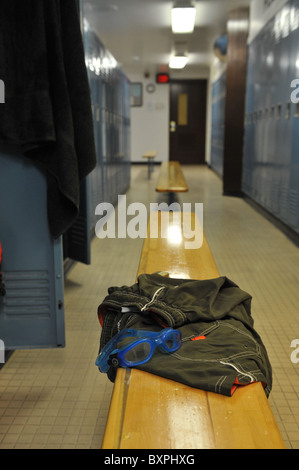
{"points": [[27, 293]]}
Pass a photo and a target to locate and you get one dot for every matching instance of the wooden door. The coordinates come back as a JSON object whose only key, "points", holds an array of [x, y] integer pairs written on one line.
{"points": [[187, 127]]}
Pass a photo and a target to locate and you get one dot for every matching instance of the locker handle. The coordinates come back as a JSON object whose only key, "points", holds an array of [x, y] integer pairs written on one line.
{"points": [[172, 126]]}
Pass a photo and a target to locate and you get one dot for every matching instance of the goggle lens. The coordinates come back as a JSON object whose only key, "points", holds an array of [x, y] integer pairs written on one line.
{"points": [[172, 341], [138, 352]]}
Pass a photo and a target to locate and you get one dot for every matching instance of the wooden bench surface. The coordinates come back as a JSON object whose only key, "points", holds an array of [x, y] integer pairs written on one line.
{"points": [[171, 178], [151, 412], [150, 154]]}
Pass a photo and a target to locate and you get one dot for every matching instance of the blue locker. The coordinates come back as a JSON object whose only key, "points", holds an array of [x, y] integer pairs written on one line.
{"points": [[32, 310], [110, 94], [294, 157], [218, 116], [270, 170]]}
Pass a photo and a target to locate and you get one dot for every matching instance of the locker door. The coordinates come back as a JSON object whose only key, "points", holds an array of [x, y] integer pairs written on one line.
{"points": [[32, 310]]}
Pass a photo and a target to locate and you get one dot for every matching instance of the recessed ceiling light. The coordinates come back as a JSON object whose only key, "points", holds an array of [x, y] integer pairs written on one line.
{"points": [[183, 18], [178, 61]]}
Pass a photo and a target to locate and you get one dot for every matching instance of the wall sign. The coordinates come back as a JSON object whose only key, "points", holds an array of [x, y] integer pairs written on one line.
{"points": [[136, 94]]}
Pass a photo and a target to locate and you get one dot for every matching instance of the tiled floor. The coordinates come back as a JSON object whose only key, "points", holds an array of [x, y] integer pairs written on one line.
{"points": [[58, 399]]}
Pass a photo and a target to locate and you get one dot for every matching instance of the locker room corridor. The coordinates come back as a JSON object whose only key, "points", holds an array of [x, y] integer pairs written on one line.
{"points": [[57, 398], [98, 94]]}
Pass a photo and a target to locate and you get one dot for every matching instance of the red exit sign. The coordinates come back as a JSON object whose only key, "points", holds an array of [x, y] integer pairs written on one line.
{"points": [[162, 78]]}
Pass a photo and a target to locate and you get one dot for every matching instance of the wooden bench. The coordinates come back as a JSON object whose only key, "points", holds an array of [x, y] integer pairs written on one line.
{"points": [[151, 412], [150, 155], [171, 179]]}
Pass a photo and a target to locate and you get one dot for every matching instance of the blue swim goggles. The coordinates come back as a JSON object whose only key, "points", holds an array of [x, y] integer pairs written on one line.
{"points": [[138, 351]]}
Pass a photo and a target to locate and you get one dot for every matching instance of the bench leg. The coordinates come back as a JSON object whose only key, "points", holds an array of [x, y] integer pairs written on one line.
{"points": [[149, 168], [172, 198]]}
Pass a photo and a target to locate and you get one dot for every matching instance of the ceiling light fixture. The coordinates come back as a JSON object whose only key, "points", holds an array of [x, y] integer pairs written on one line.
{"points": [[178, 61], [183, 17]]}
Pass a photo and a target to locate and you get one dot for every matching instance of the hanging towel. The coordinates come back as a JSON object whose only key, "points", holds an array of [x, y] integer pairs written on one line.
{"points": [[47, 109]]}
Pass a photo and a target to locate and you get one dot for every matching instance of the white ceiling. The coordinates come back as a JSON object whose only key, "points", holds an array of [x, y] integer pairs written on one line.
{"points": [[138, 32]]}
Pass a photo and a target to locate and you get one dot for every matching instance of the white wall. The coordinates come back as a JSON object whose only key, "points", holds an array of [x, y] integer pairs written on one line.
{"points": [[149, 122]]}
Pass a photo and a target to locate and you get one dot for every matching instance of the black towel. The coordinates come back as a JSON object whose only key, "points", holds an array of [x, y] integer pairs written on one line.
{"points": [[47, 106]]}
